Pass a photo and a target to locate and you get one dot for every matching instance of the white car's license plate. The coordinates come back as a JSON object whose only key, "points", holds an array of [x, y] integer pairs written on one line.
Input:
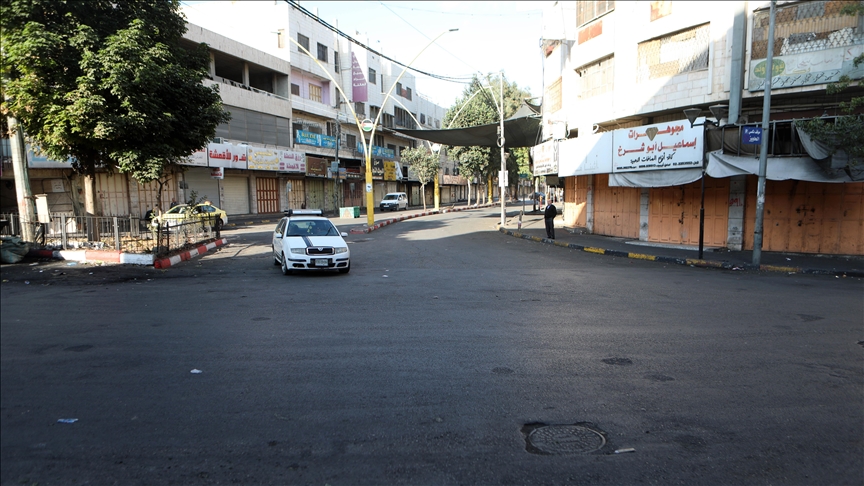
{"points": [[321, 262]]}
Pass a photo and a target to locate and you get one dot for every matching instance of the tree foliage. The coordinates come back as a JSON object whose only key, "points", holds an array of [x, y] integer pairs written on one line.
{"points": [[425, 166], [845, 132], [107, 83], [479, 105]]}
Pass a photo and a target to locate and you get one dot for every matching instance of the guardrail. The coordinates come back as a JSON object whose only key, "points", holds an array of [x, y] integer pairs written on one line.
{"points": [[129, 234]]}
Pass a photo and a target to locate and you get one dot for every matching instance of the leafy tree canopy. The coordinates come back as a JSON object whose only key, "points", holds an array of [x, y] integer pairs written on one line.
{"points": [[107, 83], [846, 132], [479, 105]]}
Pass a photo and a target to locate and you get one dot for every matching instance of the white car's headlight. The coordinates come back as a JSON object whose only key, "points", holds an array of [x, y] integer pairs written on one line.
{"points": [[340, 249], [298, 251]]}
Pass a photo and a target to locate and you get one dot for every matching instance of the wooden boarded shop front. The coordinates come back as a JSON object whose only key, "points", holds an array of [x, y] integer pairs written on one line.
{"points": [[808, 217], [673, 213], [616, 209]]}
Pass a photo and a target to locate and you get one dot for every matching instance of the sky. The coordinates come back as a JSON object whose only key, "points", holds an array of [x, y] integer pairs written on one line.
{"points": [[492, 36]]}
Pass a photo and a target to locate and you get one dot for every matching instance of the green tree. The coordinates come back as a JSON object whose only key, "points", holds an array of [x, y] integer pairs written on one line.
{"points": [[479, 105], [846, 132], [107, 83], [425, 165]]}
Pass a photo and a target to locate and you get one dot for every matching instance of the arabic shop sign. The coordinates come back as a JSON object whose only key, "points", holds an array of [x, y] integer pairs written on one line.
{"points": [[378, 151], [671, 145], [808, 68], [315, 139]]}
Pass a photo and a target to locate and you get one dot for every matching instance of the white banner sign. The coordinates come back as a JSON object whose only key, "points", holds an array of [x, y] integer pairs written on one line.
{"points": [[588, 154], [292, 162], [227, 155], [198, 158], [545, 158], [671, 145]]}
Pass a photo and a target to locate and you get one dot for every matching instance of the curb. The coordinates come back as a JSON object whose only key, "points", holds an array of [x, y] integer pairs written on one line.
{"points": [[98, 256], [387, 222], [189, 254], [682, 261]]}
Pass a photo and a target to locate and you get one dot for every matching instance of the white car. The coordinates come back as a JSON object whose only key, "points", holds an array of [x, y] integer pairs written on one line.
{"points": [[395, 201], [305, 241]]}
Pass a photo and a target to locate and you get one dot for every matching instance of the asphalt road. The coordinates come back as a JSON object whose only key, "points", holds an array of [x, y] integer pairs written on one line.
{"points": [[451, 354]]}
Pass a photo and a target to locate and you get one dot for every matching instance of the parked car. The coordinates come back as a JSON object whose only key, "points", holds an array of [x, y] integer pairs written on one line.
{"points": [[305, 241], [395, 201], [206, 213], [537, 196]]}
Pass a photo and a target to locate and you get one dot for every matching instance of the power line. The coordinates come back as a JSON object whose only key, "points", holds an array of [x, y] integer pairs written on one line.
{"points": [[338, 32], [424, 35]]}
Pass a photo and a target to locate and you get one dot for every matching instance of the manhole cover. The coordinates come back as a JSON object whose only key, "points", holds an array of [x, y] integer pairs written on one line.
{"points": [[565, 439]]}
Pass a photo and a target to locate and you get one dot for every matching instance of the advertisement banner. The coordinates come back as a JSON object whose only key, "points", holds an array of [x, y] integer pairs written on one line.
{"points": [[198, 158], [217, 173], [545, 158], [227, 155], [390, 171], [358, 81], [670, 145], [818, 67], [315, 139]]}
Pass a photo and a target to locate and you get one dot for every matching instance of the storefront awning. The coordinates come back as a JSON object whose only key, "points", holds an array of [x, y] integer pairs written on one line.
{"points": [[777, 169], [655, 178], [523, 129]]}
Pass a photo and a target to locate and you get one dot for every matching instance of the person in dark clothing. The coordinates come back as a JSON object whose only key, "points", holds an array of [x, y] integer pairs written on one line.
{"points": [[549, 216]]}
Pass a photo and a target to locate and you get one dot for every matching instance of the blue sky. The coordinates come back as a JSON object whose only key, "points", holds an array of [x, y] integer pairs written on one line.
{"points": [[492, 36]]}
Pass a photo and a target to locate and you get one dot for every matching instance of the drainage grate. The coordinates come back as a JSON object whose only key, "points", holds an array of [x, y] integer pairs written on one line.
{"points": [[564, 439]]}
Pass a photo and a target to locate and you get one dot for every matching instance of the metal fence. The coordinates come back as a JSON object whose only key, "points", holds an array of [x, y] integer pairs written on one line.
{"points": [[127, 234]]}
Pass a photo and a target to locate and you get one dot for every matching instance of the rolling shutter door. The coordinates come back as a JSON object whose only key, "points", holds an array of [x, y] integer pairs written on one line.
{"points": [[236, 195]]}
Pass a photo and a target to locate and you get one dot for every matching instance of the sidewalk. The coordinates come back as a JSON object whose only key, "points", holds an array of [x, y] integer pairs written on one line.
{"points": [[533, 228]]}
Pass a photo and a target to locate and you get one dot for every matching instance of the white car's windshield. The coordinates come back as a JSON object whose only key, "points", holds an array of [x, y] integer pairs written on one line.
{"points": [[311, 228], [390, 197]]}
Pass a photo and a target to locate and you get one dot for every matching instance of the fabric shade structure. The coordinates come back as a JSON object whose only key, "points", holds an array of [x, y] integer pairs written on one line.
{"points": [[778, 169], [523, 129]]}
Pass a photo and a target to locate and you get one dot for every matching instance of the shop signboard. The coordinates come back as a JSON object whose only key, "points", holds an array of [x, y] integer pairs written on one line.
{"points": [[227, 155], [198, 158], [315, 139], [668, 145]]}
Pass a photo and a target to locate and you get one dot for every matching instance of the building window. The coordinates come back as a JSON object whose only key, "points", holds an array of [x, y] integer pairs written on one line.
{"points": [[336, 60], [351, 141], [596, 78], [404, 118], [408, 93], [373, 112], [808, 27], [322, 52], [372, 77], [315, 93], [587, 10], [295, 89], [360, 108], [553, 96], [303, 41], [422, 118], [399, 89], [280, 38], [382, 84], [378, 141], [673, 54], [387, 120]]}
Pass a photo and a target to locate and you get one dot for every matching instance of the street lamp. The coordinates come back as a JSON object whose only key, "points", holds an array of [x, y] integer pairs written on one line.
{"points": [[363, 127], [719, 112]]}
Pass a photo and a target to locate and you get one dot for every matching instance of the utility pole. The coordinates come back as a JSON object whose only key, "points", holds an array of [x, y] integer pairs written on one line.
{"points": [[26, 203], [503, 177], [763, 151]]}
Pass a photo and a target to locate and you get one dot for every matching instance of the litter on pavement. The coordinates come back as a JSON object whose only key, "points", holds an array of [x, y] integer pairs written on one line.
{"points": [[67, 421], [196, 371]]}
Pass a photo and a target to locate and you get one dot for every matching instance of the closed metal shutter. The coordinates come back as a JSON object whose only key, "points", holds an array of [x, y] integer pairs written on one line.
{"points": [[206, 188], [236, 195]]}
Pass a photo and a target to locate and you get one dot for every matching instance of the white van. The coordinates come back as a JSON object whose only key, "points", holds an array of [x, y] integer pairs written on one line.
{"points": [[395, 201]]}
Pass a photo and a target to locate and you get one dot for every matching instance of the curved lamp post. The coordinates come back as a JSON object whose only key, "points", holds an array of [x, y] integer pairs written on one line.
{"points": [[367, 146]]}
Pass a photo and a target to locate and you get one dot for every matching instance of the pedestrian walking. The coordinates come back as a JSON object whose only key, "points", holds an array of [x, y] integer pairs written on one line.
{"points": [[173, 202], [549, 217]]}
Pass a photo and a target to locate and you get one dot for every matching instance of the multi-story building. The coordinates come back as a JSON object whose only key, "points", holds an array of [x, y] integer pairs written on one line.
{"points": [[334, 84], [293, 140], [618, 79]]}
